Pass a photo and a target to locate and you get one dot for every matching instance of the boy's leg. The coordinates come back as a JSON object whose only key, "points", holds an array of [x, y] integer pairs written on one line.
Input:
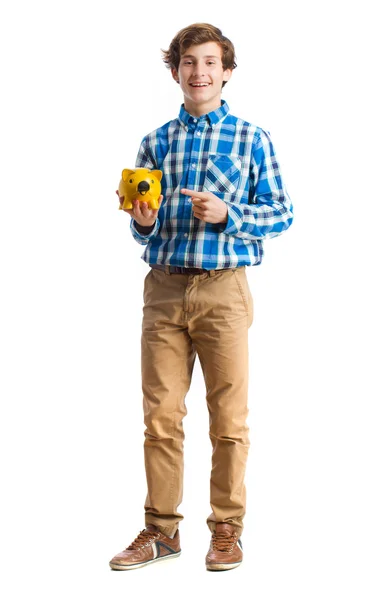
{"points": [[167, 363], [223, 313]]}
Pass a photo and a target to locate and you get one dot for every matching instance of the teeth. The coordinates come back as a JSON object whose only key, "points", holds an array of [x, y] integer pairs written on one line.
{"points": [[199, 84]]}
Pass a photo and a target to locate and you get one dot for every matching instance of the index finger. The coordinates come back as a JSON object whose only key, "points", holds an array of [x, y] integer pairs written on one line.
{"points": [[201, 195]]}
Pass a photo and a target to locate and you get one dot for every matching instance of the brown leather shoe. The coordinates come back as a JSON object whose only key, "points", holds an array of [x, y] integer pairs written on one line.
{"points": [[149, 546], [225, 550]]}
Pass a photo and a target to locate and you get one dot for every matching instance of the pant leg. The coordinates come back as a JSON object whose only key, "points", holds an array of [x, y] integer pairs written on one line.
{"points": [[167, 364], [223, 313]]}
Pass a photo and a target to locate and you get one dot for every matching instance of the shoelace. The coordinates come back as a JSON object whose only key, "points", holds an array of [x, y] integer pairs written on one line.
{"points": [[223, 542], [142, 538]]}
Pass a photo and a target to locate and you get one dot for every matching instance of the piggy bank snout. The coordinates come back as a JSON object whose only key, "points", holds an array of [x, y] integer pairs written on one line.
{"points": [[143, 186]]}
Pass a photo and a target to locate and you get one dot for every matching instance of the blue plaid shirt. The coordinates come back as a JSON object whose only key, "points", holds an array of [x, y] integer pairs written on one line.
{"points": [[235, 160]]}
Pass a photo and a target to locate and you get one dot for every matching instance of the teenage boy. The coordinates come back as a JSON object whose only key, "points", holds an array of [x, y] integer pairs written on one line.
{"points": [[222, 195]]}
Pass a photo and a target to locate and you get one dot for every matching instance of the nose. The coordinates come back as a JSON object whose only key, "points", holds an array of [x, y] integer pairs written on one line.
{"points": [[143, 186], [198, 72], [199, 69]]}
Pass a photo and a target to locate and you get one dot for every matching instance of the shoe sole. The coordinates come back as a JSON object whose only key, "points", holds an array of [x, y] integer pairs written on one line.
{"points": [[222, 566], [120, 567]]}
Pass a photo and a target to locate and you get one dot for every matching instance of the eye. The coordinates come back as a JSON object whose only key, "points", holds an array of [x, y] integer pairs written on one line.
{"points": [[131, 180]]}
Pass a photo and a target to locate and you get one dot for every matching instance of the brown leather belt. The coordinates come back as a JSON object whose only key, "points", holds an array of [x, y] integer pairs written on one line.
{"points": [[182, 270]]}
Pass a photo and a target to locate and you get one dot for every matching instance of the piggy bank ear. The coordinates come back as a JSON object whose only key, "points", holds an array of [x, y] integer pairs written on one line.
{"points": [[126, 173], [157, 174]]}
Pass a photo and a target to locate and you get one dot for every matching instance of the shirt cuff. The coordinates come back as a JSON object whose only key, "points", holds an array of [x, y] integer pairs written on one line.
{"points": [[144, 232], [234, 221]]}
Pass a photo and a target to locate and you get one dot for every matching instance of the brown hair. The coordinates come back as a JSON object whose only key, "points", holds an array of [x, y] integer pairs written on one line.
{"points": [[199, 33]]}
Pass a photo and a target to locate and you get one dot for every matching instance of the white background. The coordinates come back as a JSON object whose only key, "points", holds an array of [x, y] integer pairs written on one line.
{"points": [[82, 82]]}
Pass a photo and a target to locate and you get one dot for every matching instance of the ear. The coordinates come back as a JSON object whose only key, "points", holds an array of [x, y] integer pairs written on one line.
{"points": [[126, 173], [227, 74], [157, 174], [175, 75]]}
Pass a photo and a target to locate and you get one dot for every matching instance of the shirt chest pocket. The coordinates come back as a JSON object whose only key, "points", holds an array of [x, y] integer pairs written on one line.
{"points": [[222, 173]]}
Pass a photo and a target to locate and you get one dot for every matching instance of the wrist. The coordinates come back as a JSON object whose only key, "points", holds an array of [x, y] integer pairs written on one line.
{"points": [[144, 228], [225, 218]]}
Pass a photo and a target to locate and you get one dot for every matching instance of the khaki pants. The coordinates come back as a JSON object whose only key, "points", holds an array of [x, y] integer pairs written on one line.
{"points": [[183, 315]]}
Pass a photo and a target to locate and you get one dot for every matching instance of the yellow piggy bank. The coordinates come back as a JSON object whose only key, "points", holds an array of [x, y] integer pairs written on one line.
{"points": [[142, 184]]}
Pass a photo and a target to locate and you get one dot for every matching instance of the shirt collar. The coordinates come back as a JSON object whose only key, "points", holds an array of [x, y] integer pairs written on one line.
{"points": [[189, 121]]}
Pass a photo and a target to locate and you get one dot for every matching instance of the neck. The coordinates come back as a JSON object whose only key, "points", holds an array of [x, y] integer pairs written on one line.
{"points": [[197, 110]]}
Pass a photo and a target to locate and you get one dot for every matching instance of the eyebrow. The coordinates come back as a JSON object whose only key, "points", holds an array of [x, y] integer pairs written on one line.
{"points": [[207, 56]]}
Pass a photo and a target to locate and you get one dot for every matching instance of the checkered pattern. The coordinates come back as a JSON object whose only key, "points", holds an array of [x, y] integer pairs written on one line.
{"points": [[233, 159]]}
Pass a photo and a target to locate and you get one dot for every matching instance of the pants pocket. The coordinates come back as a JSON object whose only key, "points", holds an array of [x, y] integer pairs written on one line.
{"points": [[245, 293]]}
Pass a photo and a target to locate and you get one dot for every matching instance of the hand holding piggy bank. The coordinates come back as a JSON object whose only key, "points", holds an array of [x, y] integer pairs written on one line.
{"points": [[141, 184]]}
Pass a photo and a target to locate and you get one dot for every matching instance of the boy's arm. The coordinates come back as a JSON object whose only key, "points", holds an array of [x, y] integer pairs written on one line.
{"points": [[271, 212], [143, 234]]}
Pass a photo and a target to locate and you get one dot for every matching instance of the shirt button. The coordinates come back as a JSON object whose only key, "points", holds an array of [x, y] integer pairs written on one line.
{"points": [[198, 133], [195, 120], [185, 235], [194, 166]]}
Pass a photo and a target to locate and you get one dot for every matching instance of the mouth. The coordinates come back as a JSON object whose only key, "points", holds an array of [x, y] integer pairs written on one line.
{"points": [[199, 85]]}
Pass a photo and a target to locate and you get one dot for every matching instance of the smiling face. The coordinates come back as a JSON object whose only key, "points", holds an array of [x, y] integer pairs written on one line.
{"points": [[200, 75]]}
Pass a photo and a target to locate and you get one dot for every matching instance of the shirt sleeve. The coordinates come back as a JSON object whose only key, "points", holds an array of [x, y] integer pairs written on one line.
{"points": [[145, 160], [271, 211]]}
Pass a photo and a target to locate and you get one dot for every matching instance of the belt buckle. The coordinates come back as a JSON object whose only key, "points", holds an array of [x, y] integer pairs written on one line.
{"points": [[179, 270], [183, 270], [195, 270]]}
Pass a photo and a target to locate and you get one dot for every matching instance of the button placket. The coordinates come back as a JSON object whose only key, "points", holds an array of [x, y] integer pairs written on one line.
{"points": [[197, 129]]}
